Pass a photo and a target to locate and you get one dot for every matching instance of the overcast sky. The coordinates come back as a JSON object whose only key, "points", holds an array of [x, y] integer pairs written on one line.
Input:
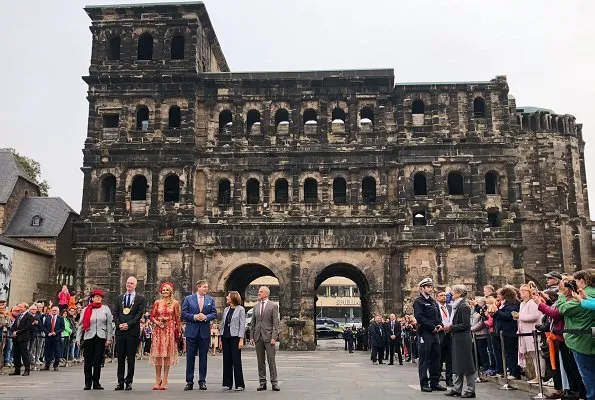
{"points": [[546, 48]]}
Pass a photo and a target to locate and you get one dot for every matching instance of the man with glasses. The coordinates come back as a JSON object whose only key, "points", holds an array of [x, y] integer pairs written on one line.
{"points": [[427, 314]]}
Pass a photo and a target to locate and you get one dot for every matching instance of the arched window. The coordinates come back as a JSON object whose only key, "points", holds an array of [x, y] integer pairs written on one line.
{"points": [[224, 193], [139, 188], [455, 184], [171, 188], [419, 218], [491, 181], [108, 189], [252, 118], [252, 191], [339, 190], [142, 118], [310, 115], [369, 190], [175, 118], [420, 184], [282, 115], [281, 191], [225, 121], [338, 113], [113, 48], [177, 47], [479, 107], [145, 47], [417, 107], [366, 113], [310, 190]]}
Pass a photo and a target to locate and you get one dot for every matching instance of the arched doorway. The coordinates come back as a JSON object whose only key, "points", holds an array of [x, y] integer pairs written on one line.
{"points": [[343, 295], [246, 280]]}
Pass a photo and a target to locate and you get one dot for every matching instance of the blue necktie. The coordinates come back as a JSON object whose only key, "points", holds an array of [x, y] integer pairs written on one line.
{"points": [[128, 300]]}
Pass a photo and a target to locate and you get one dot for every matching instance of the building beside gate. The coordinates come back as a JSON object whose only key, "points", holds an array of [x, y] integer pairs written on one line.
{"points": [[192, 171]]}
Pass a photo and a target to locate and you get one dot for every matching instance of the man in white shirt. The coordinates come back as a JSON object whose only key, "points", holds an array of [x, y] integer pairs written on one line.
{"points": [[445, 354]]}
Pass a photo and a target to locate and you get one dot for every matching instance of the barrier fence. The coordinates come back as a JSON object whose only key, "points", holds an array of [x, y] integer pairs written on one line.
{"points": [[535, 334]]}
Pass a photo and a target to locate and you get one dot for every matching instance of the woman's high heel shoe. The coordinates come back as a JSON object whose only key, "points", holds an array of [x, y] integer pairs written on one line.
{"points": [[157, 387], [162, 387]]}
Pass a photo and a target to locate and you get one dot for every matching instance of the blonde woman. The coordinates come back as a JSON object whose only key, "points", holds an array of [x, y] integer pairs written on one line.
{"points": [[528, 316], [214, 336], [165, 317]]}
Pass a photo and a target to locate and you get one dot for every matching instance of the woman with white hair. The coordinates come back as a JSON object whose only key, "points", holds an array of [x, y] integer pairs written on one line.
{"points": [[463, 365]]}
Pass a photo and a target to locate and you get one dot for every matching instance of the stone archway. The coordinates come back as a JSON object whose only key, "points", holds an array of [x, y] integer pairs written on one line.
{"points": [[353, 273], [242, 276]]}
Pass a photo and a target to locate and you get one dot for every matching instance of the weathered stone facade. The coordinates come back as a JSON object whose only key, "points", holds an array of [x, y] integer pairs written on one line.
{"points": [[192, 171]]}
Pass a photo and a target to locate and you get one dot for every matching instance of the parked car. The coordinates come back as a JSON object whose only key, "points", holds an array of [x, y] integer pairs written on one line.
{"points": [[249, 315], [321, 321], [326, 332]]}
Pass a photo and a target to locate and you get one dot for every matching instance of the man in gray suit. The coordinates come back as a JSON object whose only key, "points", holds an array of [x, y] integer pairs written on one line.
{"points": [[264, 329]]}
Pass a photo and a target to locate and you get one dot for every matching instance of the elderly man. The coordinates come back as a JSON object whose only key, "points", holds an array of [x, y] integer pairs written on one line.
{"points": [[36, 341], [552, 280], [264, 329], [128, 311], [53, 326], [425, 311]]}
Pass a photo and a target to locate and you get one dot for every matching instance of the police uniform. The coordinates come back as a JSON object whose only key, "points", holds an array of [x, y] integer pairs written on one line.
{"points": [[427, 314]]}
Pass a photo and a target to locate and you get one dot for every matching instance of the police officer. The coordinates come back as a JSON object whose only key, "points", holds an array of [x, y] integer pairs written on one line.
{"points": [[425, 311]]}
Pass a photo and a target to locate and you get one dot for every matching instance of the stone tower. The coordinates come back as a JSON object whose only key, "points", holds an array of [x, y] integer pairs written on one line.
{"points": [[192, 171]]}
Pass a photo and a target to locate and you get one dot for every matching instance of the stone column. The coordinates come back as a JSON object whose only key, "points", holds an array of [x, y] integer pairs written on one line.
{"points": [[397, 265], [152, 277], [388, 283], [114, 273], [480, 270], [476, 184], [296, 284], [154, 208], [79, 276], [87, 192], [186, 277], [441, 267]]}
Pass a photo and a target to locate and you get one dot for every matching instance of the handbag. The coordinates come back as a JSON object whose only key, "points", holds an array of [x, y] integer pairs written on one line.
{"points": [[177, 335]]}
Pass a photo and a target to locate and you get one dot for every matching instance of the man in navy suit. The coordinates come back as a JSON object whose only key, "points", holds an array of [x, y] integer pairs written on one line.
{"points": [[198, 310], [53, 326]]}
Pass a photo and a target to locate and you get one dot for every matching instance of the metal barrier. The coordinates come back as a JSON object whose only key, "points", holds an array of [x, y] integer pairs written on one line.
{"points": [[506, 385], [540, 395], [479, 379]]}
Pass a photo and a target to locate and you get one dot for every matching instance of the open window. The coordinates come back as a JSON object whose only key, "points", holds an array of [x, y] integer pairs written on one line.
{"points": [[113, 48], [252, 118], [493, 218], [139, 188], [419, 218], [479, 107], [142, 118], [281, 115], [111, 121], [108, 189], [252, 191], [174, 117], [420, 184], [224, 193], [177, 47], [145, 47], [339, 190], [281, 191], [491, 182], [369, 190], [455, 184], [366, 113], [310, 190], [171, 188], [225, 122], [338, 113]]}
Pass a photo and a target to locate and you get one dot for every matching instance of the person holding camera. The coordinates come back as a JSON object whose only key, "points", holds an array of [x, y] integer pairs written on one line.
{"points": [[581, 319]]}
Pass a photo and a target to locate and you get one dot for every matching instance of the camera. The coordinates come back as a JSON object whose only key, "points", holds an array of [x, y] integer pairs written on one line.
{"points": [[571, 285]]}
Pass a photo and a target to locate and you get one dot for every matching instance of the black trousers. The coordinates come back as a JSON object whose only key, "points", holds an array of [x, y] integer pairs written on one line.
{"points": [[126, 346], [232, 362], [53, 350], [378, 353], [429, 359], [394, 345], [445, 355], [20, 350], [93, 350]]}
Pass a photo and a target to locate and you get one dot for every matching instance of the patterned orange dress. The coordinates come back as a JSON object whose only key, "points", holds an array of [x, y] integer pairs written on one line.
{"points": [[164, 348]]}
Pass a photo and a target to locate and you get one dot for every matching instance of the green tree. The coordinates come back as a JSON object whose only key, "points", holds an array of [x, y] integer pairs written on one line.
{"points": [[33, 169]]}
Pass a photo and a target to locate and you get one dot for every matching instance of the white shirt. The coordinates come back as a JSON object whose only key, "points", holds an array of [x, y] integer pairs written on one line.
{"points": [[132, 294], [445, 319]]}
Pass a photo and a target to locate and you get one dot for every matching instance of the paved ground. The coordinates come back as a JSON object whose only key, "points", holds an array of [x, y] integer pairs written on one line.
{"points": [[329, 373]]}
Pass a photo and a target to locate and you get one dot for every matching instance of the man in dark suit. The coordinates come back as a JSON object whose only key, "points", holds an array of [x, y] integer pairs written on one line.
{"points": [[128, 311], [393, 329], [198, 310], [53, 326], [377, 334], [21, 333]]}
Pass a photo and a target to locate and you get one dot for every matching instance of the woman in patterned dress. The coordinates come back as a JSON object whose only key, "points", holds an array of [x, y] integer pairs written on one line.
{"points": [[165, 316]]}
